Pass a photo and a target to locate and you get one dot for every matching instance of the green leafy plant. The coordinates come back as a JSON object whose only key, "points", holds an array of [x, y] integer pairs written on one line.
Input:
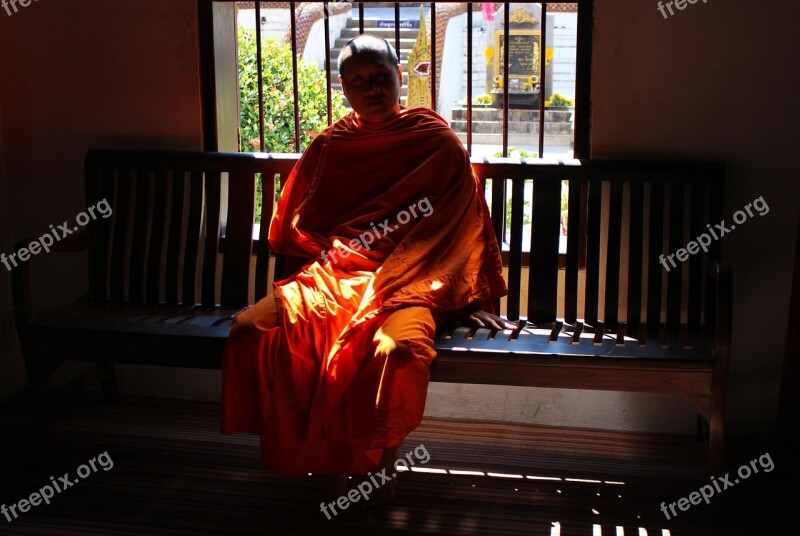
{"points": [[279, 133], [279, 130], [516, 151], [558, 100], [482, 99]]}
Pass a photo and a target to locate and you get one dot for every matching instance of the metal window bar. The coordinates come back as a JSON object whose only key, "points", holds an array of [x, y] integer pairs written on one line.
{"points": [[433, 55], [585, 5], [295, 82], [328, 89], [542, 78], [469, 78], [260, 73], [397, 28]]}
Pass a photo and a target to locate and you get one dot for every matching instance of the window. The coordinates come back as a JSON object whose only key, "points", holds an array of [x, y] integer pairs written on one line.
{"points": [[286, 89], [511, 78]]}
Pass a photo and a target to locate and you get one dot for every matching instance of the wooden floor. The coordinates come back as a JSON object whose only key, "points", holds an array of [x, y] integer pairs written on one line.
{"points": [[173, 474]]}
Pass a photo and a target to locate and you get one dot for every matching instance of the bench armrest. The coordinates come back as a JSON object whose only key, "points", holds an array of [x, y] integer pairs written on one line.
{"points": [[20, 274]]}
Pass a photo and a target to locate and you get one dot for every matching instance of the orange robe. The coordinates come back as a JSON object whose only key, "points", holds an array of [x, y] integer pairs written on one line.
{"points": [[395, 226]]}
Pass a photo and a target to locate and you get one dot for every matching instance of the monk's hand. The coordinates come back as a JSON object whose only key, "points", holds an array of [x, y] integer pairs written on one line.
{"points": [[485, 319]]}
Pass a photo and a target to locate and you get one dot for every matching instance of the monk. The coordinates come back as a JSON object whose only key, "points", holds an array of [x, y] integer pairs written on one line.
{"points": [[332, 368]]}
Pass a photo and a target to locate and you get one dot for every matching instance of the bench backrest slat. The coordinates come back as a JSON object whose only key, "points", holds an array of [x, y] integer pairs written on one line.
{"points": [[576, 244], [498, 211], [176, 188], [613, 250], [157, 251], [543, 274], [677, 239], [238, 238], [635, 252], [194, 234], [622, 216], [182, 225], [699, 197], [515, 246], [593, 226], [143, 185], [213, 193], [182, 233], [268, 187], [655, 238]]}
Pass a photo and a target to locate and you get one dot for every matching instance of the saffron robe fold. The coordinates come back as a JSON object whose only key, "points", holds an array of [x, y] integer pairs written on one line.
{"points": [[391, 217]]}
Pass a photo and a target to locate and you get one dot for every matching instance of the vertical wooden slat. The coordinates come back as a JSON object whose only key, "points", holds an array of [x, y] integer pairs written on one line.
{"points": [[175, 236], [499, 208], [122, 223], [715, 200], [515, 247], [139, 241], [611, 301], [211, 247], [109, 189], [696, 262], [543, 275], [498, 214], [676, 242], [635, 253], [156, 242], [655, 236], [361, 17], [262, 254], [99, 186], [573, 251], [593, 251], [194, 230], [238, 247]]}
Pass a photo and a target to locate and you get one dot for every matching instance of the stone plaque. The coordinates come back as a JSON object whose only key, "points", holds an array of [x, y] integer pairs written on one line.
{"points": [[524, 52]]}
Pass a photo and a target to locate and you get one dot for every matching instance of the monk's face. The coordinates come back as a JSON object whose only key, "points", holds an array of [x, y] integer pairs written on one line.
{"points": [[372, 85]]}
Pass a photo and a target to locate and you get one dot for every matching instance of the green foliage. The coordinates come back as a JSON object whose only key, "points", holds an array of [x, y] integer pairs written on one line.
{"points": [[558, 100], [278, 101], [516, 151], [482, 99]]}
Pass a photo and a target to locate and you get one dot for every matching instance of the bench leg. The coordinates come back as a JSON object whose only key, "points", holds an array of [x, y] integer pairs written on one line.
{"points": [[716, 435]]}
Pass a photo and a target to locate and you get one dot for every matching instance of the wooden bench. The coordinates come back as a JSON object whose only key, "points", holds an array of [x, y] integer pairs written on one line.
{"points": [[178, 258]]}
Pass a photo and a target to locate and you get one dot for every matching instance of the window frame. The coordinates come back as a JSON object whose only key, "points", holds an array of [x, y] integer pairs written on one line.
{"points": [[208, 45]]}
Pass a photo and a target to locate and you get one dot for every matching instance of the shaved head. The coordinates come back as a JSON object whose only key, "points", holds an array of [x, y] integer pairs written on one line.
{"points": [[367, 45]]}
